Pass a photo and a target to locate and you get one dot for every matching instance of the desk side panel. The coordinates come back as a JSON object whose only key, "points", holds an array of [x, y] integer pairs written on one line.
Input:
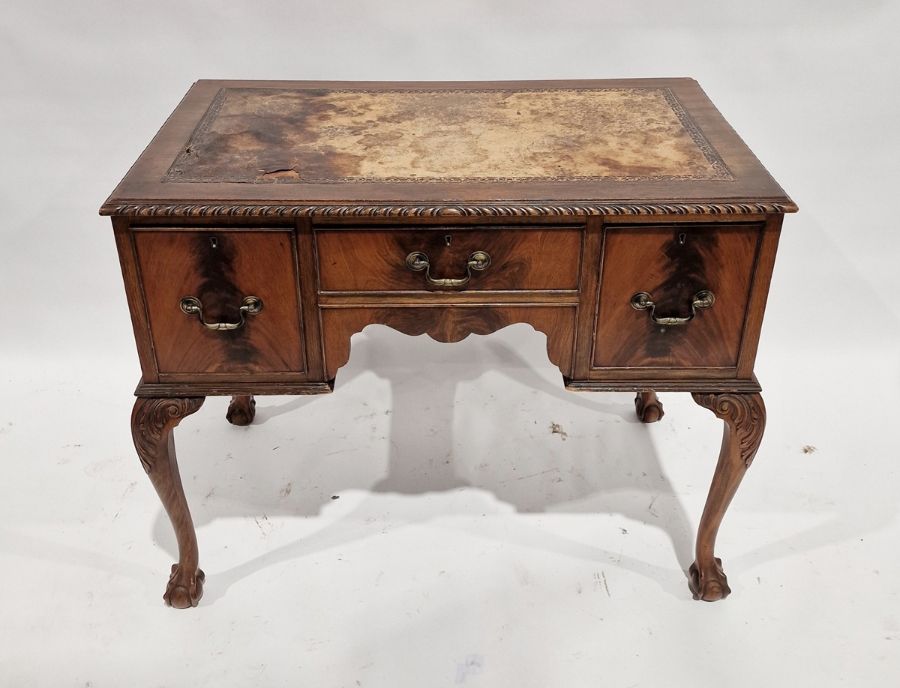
{"points": [[139, 319], [759, 293]]}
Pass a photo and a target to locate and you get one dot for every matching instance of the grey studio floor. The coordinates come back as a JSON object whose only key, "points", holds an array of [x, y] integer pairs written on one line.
{"points": [[450, 515]]}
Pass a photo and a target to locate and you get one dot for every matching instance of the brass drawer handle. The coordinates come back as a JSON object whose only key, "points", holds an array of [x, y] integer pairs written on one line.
{"points": [[418, 261], [642, 301], [251, 305]]}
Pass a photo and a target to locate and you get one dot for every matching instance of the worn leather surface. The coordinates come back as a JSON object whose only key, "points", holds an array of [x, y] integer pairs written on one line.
{"points": [[270, 135]]}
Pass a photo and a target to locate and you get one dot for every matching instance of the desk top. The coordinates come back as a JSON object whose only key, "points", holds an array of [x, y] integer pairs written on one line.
{"points": [[634, 146]]}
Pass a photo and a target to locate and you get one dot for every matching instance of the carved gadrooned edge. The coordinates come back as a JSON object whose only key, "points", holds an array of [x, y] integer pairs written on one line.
{"points": [[745, 415], [377, 210], [152, 418]]}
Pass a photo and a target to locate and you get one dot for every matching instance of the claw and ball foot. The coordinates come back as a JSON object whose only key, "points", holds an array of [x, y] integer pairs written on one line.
{"points": [[241, 410], [745, 421], [185, 587], [708, 586], [648, 407], [152, 422]]}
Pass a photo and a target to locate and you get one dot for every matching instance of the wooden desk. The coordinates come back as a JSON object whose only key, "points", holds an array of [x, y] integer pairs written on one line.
{"points": [[269, 221]]}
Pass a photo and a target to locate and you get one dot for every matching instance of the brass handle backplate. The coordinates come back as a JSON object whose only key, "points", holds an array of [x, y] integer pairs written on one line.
{"points": [[642, 301], [418, 261], [251, 305]]}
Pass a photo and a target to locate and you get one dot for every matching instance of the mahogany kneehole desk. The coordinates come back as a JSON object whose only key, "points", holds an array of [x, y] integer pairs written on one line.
{"points": [[267, 222]]}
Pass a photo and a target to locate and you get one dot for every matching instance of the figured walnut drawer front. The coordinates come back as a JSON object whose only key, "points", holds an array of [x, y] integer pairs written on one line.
{"points": [[521, 259], [673, 264], [220, 269]]}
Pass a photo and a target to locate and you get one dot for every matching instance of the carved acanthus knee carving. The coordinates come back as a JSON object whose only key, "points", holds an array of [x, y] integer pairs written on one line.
{"points": [[745, 422], [152, 422]]}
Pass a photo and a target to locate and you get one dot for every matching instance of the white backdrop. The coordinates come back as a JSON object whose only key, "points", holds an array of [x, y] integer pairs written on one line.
{"points": [[812, 88]]}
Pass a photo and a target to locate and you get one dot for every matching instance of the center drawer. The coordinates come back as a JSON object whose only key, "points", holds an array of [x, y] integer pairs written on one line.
{"points": [[449, 259]]}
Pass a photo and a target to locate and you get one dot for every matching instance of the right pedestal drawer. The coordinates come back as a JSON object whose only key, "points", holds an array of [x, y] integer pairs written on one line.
{"points": [[674, 296]]}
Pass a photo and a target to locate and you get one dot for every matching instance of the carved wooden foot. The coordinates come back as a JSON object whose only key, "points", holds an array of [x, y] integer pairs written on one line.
{"points": [[649, 409], [745, 421], [241, 410], [185, 587], [152, 422]]}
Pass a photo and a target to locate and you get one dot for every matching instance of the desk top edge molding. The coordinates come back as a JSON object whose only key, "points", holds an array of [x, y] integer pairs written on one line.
{"points": [[175, 209]]}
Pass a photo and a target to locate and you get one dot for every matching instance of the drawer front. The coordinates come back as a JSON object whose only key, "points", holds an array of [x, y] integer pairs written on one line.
{"points": [[676, 267], [449, 259], [220, 269]]}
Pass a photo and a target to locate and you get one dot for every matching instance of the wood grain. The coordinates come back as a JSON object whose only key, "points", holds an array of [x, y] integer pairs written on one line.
{"points": [[521, 258], [759, 292], [137, 307], [220, 268], [451, 324], [672, 263], [152, 423], [745, 422]]}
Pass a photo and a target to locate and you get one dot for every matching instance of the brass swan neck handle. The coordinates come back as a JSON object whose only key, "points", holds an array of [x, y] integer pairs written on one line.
{"points": [[251, 305], [418, 261], [642, 301]]}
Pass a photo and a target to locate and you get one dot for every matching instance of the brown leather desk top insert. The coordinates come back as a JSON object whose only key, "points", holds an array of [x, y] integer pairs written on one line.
{"points": [[321, 135]]}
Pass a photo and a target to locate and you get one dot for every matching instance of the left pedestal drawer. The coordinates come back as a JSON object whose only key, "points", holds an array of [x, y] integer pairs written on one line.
{"points": [[222, 303]]}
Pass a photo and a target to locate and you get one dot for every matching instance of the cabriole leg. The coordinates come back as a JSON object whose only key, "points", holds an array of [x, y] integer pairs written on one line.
{"points": [[745, 421], [649, 409], [241, 410], [152, 422]]}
